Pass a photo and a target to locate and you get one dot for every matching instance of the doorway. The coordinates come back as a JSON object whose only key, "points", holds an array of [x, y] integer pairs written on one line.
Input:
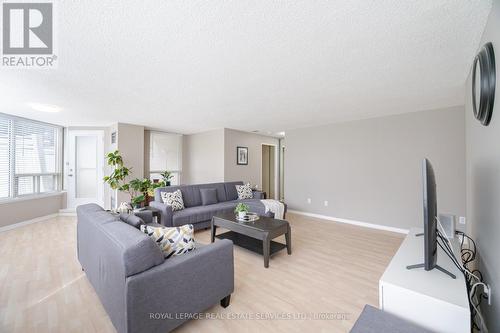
{"points": [[282, 171], [84, 167], [268, 174]]}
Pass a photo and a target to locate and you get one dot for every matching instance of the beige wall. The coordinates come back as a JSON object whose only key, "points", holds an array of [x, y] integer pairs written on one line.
{"points": [[211, 156], [203, 157], [147, 146], [130, 143], [370, 170], [483, 179], [24, 209], [247, 173]]}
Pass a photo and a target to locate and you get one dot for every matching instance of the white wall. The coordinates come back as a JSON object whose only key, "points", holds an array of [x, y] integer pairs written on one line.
{"points": [[370, 170], [203, 157], [251, 172], [483, 179]]}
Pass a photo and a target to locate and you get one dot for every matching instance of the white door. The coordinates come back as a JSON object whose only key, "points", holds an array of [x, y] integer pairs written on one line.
{"points": [[85, 167]]}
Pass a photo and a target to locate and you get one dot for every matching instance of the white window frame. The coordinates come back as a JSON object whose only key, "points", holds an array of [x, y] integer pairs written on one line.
{"points": [[14, 177]]}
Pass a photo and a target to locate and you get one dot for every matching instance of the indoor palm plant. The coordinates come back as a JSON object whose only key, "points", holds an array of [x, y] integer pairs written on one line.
{"points": [[140, 190], [117, 179]]}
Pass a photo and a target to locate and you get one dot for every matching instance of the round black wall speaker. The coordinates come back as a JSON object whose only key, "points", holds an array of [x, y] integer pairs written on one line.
{"points": [[483, 84]]}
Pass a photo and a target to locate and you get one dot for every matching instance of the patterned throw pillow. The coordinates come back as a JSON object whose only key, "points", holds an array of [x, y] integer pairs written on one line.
{"points": [[172, 241], [173, 199], [244, 191]]}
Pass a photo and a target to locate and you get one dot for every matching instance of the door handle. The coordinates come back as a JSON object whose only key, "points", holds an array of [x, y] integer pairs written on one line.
{"points": [[70, 175]]}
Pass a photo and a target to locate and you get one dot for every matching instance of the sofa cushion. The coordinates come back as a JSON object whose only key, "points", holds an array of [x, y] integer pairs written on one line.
{"points": [[172, 241], [173, 199], [131, 219], [198, 214], [191, 193], [244, 191], [231, 192], [208, 196], [195, 193]]}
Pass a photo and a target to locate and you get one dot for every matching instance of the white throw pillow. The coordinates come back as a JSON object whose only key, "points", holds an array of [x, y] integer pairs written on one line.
{"points": [[173, 199], [172, 241], [244, 191]]}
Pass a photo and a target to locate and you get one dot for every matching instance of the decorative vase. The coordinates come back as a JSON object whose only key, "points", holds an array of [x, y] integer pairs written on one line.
{"points": [[242, 215], [124, 208]]}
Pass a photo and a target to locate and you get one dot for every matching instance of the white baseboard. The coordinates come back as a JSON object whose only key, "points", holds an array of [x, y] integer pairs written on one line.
{"points": [[24, 223], [353, 222], [70, 212], [67, 212]]}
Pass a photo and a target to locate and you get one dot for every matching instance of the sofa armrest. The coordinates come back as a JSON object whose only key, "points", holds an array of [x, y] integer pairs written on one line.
{"points": [[185, 284], [258, 194], [166, 213]]}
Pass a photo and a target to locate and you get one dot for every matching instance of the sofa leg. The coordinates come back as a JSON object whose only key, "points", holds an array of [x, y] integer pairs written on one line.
{"points": [[225, 301]]}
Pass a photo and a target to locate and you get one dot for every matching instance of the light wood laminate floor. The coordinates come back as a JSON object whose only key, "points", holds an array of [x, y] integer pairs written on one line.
{"points": [[334, 269]]}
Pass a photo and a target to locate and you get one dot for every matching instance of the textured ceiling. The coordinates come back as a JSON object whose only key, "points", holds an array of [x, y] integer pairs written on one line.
{"points": [[188, 66]]}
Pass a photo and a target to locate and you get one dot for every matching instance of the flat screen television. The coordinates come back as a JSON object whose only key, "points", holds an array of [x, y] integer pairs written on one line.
{"points": [[430, 220], [430, 213]]}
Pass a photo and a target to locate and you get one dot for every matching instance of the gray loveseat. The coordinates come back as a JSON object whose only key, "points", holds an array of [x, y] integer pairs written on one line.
{"points": [[197, 214], [139, 289]]}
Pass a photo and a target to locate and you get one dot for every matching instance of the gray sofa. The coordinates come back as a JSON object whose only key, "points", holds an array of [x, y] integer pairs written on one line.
{"points": [[197, 214], [139, 289]]}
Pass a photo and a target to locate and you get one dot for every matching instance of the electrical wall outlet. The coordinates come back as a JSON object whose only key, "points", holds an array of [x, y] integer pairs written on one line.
{"points": [[308, 200], [462, 220], [326, 203]]}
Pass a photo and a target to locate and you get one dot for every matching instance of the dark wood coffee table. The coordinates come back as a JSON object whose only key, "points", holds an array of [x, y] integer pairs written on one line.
{"points": [[254, 236]]}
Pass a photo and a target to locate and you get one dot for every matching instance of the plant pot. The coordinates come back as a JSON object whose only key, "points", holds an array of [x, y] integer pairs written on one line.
{"points": [[167, 183], [242, 215]]}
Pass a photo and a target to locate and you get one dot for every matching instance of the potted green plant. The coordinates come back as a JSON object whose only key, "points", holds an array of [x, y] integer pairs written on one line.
{"points": [[241, 209], [136, 188], [137, 201], [166, 177], [141, 186], [116, 179]]}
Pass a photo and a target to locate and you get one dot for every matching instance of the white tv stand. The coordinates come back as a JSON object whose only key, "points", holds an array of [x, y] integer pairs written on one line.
{"points": [[430, 299]]}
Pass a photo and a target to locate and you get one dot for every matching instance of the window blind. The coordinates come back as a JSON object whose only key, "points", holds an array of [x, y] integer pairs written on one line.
{"points": [[165, 153], [5, 188], [29, 157]]}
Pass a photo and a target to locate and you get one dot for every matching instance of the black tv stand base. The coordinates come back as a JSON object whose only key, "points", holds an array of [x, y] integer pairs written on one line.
{"points": [[439, 268]]}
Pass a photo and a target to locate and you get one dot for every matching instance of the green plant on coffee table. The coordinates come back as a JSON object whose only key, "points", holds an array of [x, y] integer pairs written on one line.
{"points": [[241, 208]]}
